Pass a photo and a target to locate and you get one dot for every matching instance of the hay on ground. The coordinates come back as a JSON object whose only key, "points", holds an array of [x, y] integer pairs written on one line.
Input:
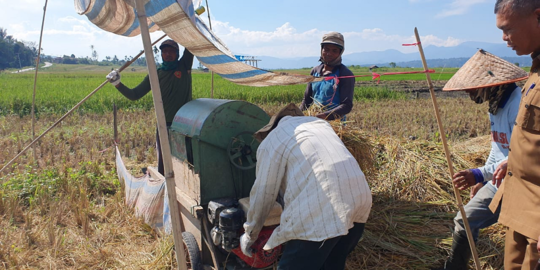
{"points": [[410, 224]]}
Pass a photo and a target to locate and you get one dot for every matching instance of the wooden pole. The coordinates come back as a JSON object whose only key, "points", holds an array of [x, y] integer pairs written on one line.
{"points": [[211, 72], [75, 107], [163, 137], [35, 78], [115, 123], [447, 153]]}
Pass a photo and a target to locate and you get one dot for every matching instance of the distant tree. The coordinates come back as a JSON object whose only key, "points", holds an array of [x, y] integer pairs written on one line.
{"points": [[516, 63], [91, 50], [84, 61], [392, 64], [108, 58], [156, 55], [69, 60], [15, 53], [72, 56], [141, 61], [3, 34], [115, 60], [95, 55]]}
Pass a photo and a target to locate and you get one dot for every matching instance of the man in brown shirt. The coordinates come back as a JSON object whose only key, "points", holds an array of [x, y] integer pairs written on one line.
{"points": [[519, 194]]}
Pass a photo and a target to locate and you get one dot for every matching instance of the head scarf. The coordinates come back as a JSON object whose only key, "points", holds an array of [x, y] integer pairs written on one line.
{"points": [[333, 38], [170, 65], [494, 95], [334, 63]]}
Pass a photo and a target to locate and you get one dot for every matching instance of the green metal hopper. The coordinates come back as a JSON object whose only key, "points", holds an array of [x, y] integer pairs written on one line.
{"points": [[214, 140]]}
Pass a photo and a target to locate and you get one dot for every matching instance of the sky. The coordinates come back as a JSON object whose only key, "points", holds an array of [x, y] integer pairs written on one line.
{"points": [[278, 28]]}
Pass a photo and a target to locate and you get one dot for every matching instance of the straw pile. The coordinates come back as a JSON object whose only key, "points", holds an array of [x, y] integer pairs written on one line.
{"points": [[413, 201]]}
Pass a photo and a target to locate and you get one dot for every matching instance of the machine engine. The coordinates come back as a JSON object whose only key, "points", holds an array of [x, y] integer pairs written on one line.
{"points": [[228, 219]]}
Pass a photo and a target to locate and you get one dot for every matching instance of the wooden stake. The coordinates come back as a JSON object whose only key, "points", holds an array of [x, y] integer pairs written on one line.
{"points": [[448, 155], [163, 137], [75, 107], [212, 72], [35, 79], [115, 124]]}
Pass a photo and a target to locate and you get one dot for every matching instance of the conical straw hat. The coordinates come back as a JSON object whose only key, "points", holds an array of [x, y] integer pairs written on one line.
{"points": [[484, 70]]}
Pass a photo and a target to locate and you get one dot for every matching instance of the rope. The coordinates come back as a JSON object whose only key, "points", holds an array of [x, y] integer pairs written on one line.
{"points": [[411, 44], [378, 76]]}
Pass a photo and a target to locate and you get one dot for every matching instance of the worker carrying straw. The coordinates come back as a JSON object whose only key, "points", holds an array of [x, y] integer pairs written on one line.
{"points": [[334, 96]]}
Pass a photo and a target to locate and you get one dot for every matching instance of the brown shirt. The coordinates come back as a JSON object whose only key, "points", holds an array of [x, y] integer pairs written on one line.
{"points": [[520, 190]]}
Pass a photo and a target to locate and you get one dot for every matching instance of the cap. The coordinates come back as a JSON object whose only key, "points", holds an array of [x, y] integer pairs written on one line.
{"points": [[334, 38], [169, 42], [291, 109]]}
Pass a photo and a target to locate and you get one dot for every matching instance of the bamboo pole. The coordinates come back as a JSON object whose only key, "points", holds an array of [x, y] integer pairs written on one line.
{"points": [[115, 123], [212, 72], [35, 78], [75, 107], [163, 137], [447, 153]]}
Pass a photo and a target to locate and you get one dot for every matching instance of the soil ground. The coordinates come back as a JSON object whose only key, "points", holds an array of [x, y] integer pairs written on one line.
{"points": [[418, 89]]}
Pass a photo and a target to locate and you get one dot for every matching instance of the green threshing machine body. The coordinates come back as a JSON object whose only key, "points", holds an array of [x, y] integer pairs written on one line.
{"points": [[215, 139]]}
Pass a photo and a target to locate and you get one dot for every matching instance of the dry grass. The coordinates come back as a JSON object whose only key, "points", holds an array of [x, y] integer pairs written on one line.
{"points": [[411, 220], [84, 223]]}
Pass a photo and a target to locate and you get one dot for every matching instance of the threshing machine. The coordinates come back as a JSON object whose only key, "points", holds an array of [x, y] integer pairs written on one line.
{"points": [[214, 158]]}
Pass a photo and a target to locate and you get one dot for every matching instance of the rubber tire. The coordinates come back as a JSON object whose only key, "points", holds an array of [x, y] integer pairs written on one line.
{"points": [[193, 255]]}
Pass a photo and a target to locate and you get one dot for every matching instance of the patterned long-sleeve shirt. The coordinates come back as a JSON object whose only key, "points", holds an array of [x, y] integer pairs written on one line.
{"points": [[323, 189]]}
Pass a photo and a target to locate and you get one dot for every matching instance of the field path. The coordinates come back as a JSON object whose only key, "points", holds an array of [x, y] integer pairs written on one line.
{"points": [[47, 64]]}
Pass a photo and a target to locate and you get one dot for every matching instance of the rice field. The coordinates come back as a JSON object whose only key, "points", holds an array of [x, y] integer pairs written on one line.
{"points": [[63, 208]]}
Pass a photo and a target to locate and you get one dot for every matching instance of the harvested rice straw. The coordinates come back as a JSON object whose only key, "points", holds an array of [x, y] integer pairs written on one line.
{"points": [[410, 223]]}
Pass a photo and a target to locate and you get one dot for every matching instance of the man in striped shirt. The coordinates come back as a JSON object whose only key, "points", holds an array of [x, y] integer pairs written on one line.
{"points": [[326, 200]]}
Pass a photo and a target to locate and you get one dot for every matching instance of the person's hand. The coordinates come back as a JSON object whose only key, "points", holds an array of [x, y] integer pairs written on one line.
{"points": [[476, 188], [499, 173], [114, 77], [463, 179], [245, 245]]}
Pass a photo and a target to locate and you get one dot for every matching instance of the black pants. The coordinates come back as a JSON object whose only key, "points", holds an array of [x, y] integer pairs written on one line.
{"points": [[161, 167], [329, 254]]}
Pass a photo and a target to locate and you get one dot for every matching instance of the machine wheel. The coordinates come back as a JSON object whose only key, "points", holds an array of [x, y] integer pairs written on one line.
{"points": [[193, 254], [242, 150]]}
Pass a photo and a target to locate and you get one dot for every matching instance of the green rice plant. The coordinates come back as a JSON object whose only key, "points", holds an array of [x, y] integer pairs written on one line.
{"points": [[58, 92]]}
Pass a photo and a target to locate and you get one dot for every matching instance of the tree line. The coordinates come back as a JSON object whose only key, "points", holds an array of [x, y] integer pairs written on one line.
{"points": [[19, 54], [15, 53]]}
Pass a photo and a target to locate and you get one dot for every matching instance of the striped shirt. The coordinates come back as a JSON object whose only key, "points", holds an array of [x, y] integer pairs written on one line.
{"points": [[322, 188]]}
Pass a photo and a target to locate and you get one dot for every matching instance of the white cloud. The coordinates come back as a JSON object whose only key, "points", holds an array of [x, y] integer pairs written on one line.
{"points": [[286, 42], [74, 35], [436, 41], [459, 7]]}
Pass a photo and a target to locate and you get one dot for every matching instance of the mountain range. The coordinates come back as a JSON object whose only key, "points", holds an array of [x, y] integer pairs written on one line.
{"points": [[454, 56]]}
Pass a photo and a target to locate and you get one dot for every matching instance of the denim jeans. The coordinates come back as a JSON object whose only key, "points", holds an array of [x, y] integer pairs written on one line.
{"points": [[478, 213]]}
